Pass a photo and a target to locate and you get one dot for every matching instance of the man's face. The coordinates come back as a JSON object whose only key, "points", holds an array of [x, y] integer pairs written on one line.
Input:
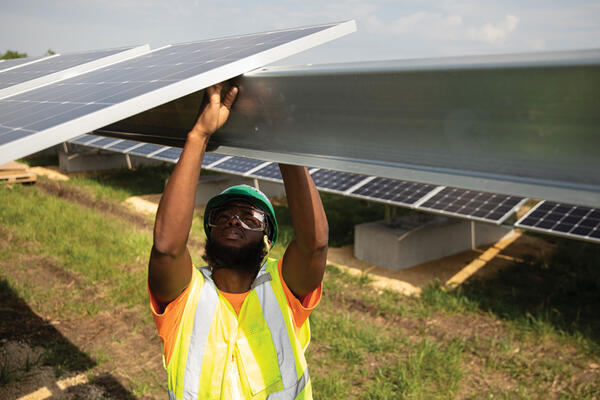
{"points": [[230, 230], [230, 244]]}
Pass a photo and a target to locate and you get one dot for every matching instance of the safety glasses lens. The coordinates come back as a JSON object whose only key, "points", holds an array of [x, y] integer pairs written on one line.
{"points": [[250, 218]]}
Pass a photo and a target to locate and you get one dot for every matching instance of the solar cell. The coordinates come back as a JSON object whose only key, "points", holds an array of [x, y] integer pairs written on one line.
{"points": [[576, 222], [336, 181], [393, 191], [60, 111], [482, 206]]}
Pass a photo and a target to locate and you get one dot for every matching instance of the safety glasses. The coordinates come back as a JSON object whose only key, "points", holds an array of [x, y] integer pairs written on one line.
{"points": [[250, 218]]}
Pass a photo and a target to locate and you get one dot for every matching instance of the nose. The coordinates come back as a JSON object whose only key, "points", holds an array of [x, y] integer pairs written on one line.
{"points": [[234, 220]]}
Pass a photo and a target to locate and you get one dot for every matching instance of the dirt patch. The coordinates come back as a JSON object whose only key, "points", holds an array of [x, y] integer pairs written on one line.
{"points": [[99, 346]]}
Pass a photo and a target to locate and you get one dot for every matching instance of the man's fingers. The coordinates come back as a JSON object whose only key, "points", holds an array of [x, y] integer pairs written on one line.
{"points": [[230, 97], [213, 93]]}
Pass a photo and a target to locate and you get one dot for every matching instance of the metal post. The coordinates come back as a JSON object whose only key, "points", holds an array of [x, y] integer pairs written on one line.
{"points": [[390, 214], [473, 235]]}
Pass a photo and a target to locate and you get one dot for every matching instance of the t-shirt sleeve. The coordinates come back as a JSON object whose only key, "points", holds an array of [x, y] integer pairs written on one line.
{"points": [[301, 308], [167, 322]]}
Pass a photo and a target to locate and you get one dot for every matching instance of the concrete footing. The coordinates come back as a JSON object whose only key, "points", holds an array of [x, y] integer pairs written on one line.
{"points": [[414, 239]]}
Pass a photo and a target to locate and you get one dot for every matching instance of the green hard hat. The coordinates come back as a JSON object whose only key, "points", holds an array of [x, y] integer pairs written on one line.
{"points": [[245, 193]]}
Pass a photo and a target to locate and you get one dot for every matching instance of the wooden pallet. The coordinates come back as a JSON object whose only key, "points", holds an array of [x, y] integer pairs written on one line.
{"points": [[21, 177], [14, 172]]}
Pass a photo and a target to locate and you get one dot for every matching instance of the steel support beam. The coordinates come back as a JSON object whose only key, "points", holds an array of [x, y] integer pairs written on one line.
{"points": [[526, 124]]}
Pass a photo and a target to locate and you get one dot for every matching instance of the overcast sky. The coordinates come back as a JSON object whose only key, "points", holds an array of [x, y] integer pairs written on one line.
{"points": [[386, 29]]}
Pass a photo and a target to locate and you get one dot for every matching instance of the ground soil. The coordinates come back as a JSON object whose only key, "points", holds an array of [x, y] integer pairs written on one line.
{"points": [[104, 342]]}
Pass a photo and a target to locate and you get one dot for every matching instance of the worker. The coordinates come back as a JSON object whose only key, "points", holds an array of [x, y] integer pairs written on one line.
{"points": [[237, 328]]}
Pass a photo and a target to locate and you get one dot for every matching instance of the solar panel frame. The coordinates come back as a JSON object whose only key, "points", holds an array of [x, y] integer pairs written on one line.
{"points": [[484, 206], [86, 117], [565, 220], [49, 70]]}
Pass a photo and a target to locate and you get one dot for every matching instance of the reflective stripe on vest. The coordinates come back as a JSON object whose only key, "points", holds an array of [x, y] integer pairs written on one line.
{"points": [[203, 319], [279, 334], [202, 322]]}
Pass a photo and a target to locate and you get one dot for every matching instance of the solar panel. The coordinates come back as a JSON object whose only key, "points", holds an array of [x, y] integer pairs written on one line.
{"points": [[42, 117], [146, 150], [238, 165], [576, 222], [55, 68], [392, 191], [170, 154], [17, 62], [481, 206], [123, 145], [83, 139], [336, 181], [269, 172], [105, 142], [211, 158]]}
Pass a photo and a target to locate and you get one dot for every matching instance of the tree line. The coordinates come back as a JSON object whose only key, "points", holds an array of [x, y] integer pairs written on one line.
{"points": [[8, 54]]}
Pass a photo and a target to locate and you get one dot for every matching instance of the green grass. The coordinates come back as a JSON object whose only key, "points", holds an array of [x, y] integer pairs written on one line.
{"points": [[89, 243], [379, 345], [565, 301]]}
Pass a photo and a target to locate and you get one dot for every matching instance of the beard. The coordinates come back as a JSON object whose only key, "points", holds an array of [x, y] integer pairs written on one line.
{"points": [[248, 257]]}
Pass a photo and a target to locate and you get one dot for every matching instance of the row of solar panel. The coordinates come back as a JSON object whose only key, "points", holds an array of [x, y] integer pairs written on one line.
{"points": [[572, 221], [486, 207]]}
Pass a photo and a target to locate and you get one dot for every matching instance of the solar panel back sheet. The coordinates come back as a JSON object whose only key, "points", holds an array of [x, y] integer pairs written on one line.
{"points": [[49, 115]]}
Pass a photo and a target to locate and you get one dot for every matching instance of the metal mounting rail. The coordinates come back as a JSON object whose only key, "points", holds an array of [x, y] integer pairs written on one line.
{"points": [[526, 125]]}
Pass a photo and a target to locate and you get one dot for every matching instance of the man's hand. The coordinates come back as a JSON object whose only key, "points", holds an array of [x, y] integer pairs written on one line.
{"points": [[214, 112]]}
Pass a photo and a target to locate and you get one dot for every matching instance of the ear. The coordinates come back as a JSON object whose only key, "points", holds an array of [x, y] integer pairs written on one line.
{"points": [[267, 242]]}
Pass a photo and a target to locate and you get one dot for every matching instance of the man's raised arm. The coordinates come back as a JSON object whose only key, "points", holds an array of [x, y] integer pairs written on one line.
{"points": [[306, 256], [170, 267]]}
